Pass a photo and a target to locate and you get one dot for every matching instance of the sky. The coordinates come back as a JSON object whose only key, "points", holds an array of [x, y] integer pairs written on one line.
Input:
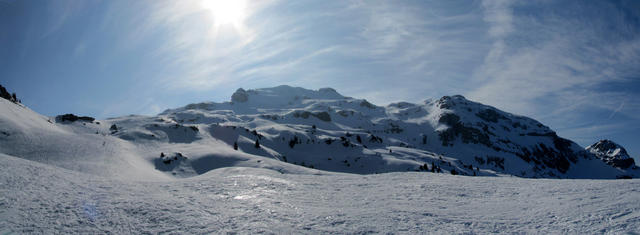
{"points": [[572, 65]]}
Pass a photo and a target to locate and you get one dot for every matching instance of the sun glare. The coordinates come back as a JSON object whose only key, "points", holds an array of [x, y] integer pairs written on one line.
{"points": [[226, 12]]}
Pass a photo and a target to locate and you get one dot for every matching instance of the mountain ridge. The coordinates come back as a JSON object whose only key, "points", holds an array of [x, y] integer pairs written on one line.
{"points": [[325, 130]]}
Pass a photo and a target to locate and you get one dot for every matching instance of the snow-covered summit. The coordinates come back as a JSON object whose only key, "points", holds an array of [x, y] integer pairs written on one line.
{"points": [[283, 94], [296, 130], [474, 134], [268, 100], [612, 153]]}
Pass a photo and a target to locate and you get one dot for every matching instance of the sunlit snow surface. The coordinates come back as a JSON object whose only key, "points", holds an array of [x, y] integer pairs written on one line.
{"points": [[179, 173], [38, 198]]}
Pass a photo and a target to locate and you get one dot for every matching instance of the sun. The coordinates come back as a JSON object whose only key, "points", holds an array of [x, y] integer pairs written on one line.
{"points": [[226, 12]]}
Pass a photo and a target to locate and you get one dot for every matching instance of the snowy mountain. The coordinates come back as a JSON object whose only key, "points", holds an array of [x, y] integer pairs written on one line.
{"points": [[450, 133], [611, 153], [247, 166], [295, 130]]}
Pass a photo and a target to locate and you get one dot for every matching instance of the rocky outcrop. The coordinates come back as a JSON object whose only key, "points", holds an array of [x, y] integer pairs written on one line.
{"points": [[490, 115], [323, 116], [4, 93], [611, 153], [240, 96], [72, 118], [457, 128], [474, 123], [366, 104]]}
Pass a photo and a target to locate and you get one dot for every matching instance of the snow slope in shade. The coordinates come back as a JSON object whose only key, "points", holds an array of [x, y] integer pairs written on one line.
{"points": [[39, 198]]}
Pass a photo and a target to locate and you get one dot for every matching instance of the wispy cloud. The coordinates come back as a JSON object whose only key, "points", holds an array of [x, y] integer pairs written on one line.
{"points": [[548, 61], [616, 110], [375, 40], [568, 64], [59, 13], [499, 15]]}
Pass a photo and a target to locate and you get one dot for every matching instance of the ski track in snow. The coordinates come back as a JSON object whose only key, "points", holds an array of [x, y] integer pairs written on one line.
{"points": [[38, 198]]}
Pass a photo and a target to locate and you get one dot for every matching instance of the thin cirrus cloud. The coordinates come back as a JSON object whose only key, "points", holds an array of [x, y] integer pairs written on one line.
{"points": [[561, 61], [571, 65], [311, 46]]}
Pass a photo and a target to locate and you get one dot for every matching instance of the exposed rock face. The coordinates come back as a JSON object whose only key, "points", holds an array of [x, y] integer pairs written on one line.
{"points": [[474, 123], [611, 153], [490, 115], [366, 103], [324, 116], [6, 95], [467, 134], [72, 118], [240, 96], [113, 128]]}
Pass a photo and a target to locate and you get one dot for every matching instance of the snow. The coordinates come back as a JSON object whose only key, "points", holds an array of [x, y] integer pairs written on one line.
{"points": [[38, 198], [526, 147], [318, 129], [608, 149], [326, 163]]}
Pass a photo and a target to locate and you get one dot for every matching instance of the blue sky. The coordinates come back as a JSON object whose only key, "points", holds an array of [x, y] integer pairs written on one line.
{"points": [[573, 65]]}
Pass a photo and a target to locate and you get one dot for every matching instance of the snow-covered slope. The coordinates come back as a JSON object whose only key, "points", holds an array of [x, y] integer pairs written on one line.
{"points": [[329, 131], [248, 166], [80, 146], [39, 198], [133, 151], [296, 130]]}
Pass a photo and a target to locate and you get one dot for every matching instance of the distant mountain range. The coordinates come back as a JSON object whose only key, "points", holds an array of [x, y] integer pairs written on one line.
{"points": [[292, 129]]}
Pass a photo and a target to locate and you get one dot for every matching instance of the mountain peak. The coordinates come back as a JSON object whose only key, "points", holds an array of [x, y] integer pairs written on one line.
{"points": [[611, 153], [283, 94], [240, 96], [447, 102], [324, 130]]}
